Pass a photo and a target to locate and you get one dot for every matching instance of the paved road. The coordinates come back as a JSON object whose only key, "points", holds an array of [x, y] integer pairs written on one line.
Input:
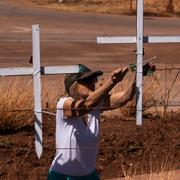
{"points": [[71, 37]]}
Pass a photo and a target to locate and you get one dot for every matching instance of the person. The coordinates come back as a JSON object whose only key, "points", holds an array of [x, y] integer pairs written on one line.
{"points": [[78, 122]]}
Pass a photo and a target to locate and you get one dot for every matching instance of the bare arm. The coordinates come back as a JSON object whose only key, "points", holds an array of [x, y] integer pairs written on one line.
{"points": [[116, 100], [74, 108], [77, 108]]}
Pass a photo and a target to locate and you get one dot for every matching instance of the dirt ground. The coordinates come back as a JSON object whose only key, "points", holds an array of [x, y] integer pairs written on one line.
{"points": [[124, 148]]}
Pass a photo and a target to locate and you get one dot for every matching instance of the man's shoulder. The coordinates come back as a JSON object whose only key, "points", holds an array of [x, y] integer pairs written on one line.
{"points": [[62, 100]]}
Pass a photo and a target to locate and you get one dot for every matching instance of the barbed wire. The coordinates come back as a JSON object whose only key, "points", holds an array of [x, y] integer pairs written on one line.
{"points": [[104, 108], [94, 148], [169, 69], [157, 69], [92, 108]]}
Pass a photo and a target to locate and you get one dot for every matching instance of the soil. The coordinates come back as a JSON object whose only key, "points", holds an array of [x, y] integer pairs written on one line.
{"points": [[124, 148]]}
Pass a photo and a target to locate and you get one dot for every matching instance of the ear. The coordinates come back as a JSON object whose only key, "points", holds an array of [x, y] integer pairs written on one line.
{"points": [[73, 89], [75, 86]]}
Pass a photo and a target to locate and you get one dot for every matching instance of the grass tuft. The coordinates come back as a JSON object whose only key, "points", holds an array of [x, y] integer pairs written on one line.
{"points": [[14, 95]]}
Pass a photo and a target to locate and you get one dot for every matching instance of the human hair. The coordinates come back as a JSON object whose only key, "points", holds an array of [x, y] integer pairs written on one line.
{"points": [[73, 91]]}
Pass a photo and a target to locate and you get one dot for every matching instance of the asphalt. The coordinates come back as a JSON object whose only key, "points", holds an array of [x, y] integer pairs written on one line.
{"points": [[70, 38]]}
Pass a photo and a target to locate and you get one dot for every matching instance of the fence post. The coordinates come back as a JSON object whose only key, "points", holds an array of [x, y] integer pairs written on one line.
{"points": [[139, 52], [37, 89]]}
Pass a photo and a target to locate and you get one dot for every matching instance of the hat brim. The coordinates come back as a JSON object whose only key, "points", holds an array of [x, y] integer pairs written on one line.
{"points": [[90, 74]]}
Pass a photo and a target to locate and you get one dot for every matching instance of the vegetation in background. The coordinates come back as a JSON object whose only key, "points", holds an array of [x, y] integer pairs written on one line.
{"points": [[16, 94], [151, 7], [133, 150], [17, 101]]}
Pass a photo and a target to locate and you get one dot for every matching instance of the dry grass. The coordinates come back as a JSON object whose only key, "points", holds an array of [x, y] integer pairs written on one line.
{"points": [[158, 170], [16, 102], [151, 7], [167, 175], [14, 96], [159, 91], [17, 94]]}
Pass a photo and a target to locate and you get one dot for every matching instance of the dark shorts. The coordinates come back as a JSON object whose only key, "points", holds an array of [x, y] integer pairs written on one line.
{"points": [[57, 176]]}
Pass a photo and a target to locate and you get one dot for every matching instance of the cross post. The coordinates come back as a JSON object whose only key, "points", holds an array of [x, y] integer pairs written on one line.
{"points": [[139, 39], [37, 89], [36, 71]]}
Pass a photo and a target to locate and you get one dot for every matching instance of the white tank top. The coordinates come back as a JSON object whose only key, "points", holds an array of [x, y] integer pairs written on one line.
{"points": [[76, 143]]}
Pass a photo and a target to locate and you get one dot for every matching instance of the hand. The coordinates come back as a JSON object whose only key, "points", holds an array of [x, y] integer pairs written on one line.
{"points": [[119, 74], [148, 68]]}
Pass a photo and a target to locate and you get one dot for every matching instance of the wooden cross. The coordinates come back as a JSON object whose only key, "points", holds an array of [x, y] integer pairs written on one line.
{"points": [[37, 71], [139, 39]]}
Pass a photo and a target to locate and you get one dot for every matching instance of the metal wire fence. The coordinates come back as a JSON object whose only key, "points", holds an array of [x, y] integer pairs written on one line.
{"points": [[91, 148], [52, 112]]}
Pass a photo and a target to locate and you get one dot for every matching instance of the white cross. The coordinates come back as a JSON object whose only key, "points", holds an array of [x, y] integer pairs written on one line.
{"points": [[36, 71], [139, 39]]}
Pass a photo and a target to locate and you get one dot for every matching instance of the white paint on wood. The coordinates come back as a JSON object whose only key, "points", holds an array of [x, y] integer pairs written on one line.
{"points": [[139, 53], [37, 89], [115, 39], [60, 69], [139, 39], [16, 71]]}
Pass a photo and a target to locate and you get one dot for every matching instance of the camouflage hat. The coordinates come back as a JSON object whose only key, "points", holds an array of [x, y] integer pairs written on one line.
{"points": [[84, 75]]}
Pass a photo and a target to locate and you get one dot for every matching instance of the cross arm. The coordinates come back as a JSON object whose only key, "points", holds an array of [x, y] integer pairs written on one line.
{"points": [[16, 71], [116, 39], [161, 39], [133, 39], [46, 70]]}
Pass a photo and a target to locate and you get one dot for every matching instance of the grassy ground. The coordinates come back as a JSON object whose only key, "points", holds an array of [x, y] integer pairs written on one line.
{"points": [[151, 7]]}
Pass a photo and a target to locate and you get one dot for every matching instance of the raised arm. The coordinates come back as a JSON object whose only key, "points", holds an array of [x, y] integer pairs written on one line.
{"points": [[74, 107], [116, 100]]}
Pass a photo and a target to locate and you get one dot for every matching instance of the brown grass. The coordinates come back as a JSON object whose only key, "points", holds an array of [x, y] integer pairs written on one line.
{"points": [[158, 170], [151, 7], [158, 93], [16, 101], [17, 94], [14, 96]]}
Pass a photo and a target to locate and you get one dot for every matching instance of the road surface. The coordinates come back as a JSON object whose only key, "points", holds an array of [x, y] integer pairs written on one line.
{"points": [[70, 38]]}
